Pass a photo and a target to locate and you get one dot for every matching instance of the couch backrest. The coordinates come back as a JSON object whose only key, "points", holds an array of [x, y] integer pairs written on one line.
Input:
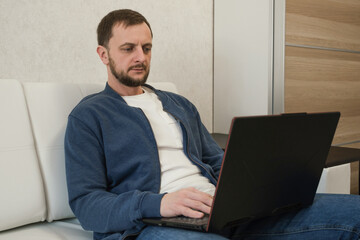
{"points": [[32, 167], [49, 105], [22, 196]]}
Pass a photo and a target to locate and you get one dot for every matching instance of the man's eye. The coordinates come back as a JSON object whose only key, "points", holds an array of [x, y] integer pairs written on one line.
{"points": [[147, 49], [128, 49]]}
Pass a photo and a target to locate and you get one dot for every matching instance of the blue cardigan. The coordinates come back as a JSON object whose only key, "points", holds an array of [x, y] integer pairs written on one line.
{"points": [[112, 163]]}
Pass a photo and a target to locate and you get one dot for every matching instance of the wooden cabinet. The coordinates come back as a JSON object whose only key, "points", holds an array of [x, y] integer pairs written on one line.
{"points": [[320, 80], [324, 23], [322, 63]]}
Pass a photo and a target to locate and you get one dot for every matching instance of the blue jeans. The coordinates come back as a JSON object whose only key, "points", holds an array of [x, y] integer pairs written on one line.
{"points": [[331, 216]]}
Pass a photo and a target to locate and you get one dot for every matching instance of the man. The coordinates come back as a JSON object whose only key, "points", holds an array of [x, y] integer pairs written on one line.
{"points": [[134, 152]]}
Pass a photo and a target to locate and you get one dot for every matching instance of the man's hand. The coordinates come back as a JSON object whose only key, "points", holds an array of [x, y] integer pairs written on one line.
{"points": [[188, 202]]}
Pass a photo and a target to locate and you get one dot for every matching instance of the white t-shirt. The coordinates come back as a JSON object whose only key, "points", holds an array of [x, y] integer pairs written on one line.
{"points": [[177, 171]]}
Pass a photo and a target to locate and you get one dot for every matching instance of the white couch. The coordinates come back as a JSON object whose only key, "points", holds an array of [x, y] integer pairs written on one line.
{"points": [[33, 195]]}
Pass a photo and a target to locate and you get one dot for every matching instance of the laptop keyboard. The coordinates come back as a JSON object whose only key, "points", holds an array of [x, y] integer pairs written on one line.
{"points": [[194, 221]]}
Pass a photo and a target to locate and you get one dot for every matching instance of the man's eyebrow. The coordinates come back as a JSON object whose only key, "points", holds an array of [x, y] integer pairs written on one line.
{"points": [[127, 44], [133, 44]]}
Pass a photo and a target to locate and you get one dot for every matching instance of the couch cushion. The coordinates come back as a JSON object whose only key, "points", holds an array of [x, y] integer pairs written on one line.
{"points": [[21, 186], [57, 230], [49, 106], [335, 180]]}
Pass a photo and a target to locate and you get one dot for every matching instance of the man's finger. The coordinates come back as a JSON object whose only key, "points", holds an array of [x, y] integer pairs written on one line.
{"points": [[197, 205], [197, 195], [188, 212]]}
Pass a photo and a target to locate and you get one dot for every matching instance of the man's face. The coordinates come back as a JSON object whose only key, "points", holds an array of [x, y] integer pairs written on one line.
{"points": [[130, 54]]}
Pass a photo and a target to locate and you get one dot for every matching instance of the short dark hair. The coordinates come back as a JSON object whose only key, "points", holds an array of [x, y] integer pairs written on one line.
{"points": [[122, 16]]}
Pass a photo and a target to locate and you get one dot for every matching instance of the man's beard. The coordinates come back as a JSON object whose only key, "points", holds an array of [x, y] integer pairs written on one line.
{"points": [[125, 79]]}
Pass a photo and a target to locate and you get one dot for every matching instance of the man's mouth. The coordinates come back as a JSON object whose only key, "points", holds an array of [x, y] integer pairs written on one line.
{"points": [[137, 68]]}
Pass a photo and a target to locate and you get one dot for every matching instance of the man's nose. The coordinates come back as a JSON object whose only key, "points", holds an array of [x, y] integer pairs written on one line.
{"points": [[139, 55]]}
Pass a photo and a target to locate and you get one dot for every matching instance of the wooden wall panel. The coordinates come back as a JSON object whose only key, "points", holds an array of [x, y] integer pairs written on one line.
{"points": [[321, 80], [322, 65], [324, 23]]}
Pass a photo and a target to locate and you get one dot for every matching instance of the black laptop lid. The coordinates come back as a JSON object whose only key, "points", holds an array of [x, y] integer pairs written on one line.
{"points": [[271, 163]]}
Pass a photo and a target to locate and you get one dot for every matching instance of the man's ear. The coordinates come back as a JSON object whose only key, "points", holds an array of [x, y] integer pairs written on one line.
{"points": [[103, 54]]}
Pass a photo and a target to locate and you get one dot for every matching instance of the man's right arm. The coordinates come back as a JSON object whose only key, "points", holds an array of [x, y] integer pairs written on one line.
{"points": [[96, 208]]}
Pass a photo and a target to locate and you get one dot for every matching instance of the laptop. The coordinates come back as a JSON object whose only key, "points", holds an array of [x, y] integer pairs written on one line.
{"points": [[272, 164]]}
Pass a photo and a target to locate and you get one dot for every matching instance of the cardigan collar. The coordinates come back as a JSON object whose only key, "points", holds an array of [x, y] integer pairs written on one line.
{"points": [[111, 92]]}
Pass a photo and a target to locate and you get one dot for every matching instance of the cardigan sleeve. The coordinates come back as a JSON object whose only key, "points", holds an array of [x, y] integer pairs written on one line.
{"points": [[212, 154]]}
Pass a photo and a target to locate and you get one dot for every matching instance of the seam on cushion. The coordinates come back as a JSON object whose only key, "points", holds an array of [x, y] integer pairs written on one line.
{"points": [[58, 147], [17, 148]]}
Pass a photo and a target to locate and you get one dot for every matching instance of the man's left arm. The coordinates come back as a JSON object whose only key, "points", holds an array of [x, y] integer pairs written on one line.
{"points": [[212, 154]]}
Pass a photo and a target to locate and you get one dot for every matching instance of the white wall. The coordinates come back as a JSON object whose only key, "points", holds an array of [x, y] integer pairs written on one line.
{"points": [[56, 41], [243, 32]]}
